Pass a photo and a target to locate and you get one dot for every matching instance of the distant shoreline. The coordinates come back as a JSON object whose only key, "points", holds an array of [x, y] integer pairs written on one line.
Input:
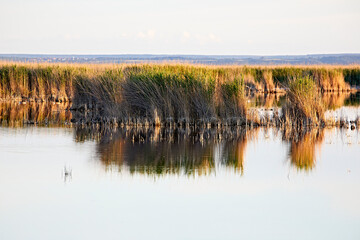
{"points": [[310, 59]]}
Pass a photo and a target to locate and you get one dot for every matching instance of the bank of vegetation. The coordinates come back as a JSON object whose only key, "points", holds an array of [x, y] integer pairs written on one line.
{"points": [[304, 106], [175, 94]]}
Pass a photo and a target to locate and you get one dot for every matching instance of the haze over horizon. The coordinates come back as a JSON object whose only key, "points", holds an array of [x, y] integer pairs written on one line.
{"points": [[201, 27]]}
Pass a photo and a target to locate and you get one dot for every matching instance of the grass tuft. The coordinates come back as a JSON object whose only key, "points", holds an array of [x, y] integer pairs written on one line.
{"points": [[304, 106]]}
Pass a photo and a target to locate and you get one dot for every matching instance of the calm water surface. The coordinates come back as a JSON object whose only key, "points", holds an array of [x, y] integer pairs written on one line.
{"points": [[131, 184]]}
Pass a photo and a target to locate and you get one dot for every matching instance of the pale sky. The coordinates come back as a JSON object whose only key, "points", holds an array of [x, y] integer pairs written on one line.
{"points": [[229, 27]]}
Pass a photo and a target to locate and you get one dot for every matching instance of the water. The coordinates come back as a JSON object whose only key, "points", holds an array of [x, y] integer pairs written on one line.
{"points": [[162, 184]]}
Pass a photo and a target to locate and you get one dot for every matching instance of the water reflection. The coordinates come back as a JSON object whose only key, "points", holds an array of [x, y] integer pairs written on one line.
{"points": [[67, 174], [15, 114], [303, 147], [35, 197], [353, 99], [267, 100], [332, 100], [156, 151], [159, 151]]}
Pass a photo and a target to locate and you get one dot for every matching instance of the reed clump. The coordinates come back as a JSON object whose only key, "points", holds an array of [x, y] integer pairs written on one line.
{"points": [[37, 82], [330, 81], [261, 81], [328, 78], [304, 106], [165, 94]]}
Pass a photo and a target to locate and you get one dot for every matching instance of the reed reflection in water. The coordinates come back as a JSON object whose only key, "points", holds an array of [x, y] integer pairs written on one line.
{"points": [[15, 114], [303, 147], [161, 151], [260, 204], [332, 100], [267, 100]]}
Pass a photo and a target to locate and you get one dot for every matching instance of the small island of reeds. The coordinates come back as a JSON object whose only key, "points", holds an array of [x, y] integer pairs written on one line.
{"points": [[177, 94]]}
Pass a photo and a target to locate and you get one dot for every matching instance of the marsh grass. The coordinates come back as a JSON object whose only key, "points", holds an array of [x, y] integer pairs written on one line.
{"points": [[57, 80], [172, 93], [304, 106], [36, 82], [158, 94]]}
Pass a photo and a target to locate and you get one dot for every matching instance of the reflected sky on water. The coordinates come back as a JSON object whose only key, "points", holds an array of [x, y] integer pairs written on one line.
{"points": [[62, 182], [261, 184]]}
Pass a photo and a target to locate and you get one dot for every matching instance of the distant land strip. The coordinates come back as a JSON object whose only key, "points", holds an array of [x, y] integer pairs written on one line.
{"points": [[311, 59]]}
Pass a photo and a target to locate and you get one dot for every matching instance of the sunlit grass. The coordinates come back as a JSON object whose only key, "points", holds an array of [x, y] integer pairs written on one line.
{"points": [[159, 93], [304, 106]]}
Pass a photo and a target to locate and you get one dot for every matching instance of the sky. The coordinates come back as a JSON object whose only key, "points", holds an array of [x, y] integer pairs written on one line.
{"points": [[226, 27]]}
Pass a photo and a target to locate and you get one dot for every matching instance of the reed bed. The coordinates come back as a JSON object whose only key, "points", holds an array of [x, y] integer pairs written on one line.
{"points": [[53, 81], [304, 106], [154, 94]]}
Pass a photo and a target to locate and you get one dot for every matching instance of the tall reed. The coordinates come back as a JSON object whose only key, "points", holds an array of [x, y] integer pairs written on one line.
{"points": [[304, 106], [57, 81], [168, 93]]}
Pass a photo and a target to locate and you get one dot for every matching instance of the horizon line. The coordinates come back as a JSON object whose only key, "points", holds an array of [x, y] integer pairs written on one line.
{"points": [[174, 54]]}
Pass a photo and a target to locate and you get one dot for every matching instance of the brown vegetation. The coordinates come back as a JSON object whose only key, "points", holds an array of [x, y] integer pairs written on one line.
{"points": [[168, 94], [304, 107]]}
